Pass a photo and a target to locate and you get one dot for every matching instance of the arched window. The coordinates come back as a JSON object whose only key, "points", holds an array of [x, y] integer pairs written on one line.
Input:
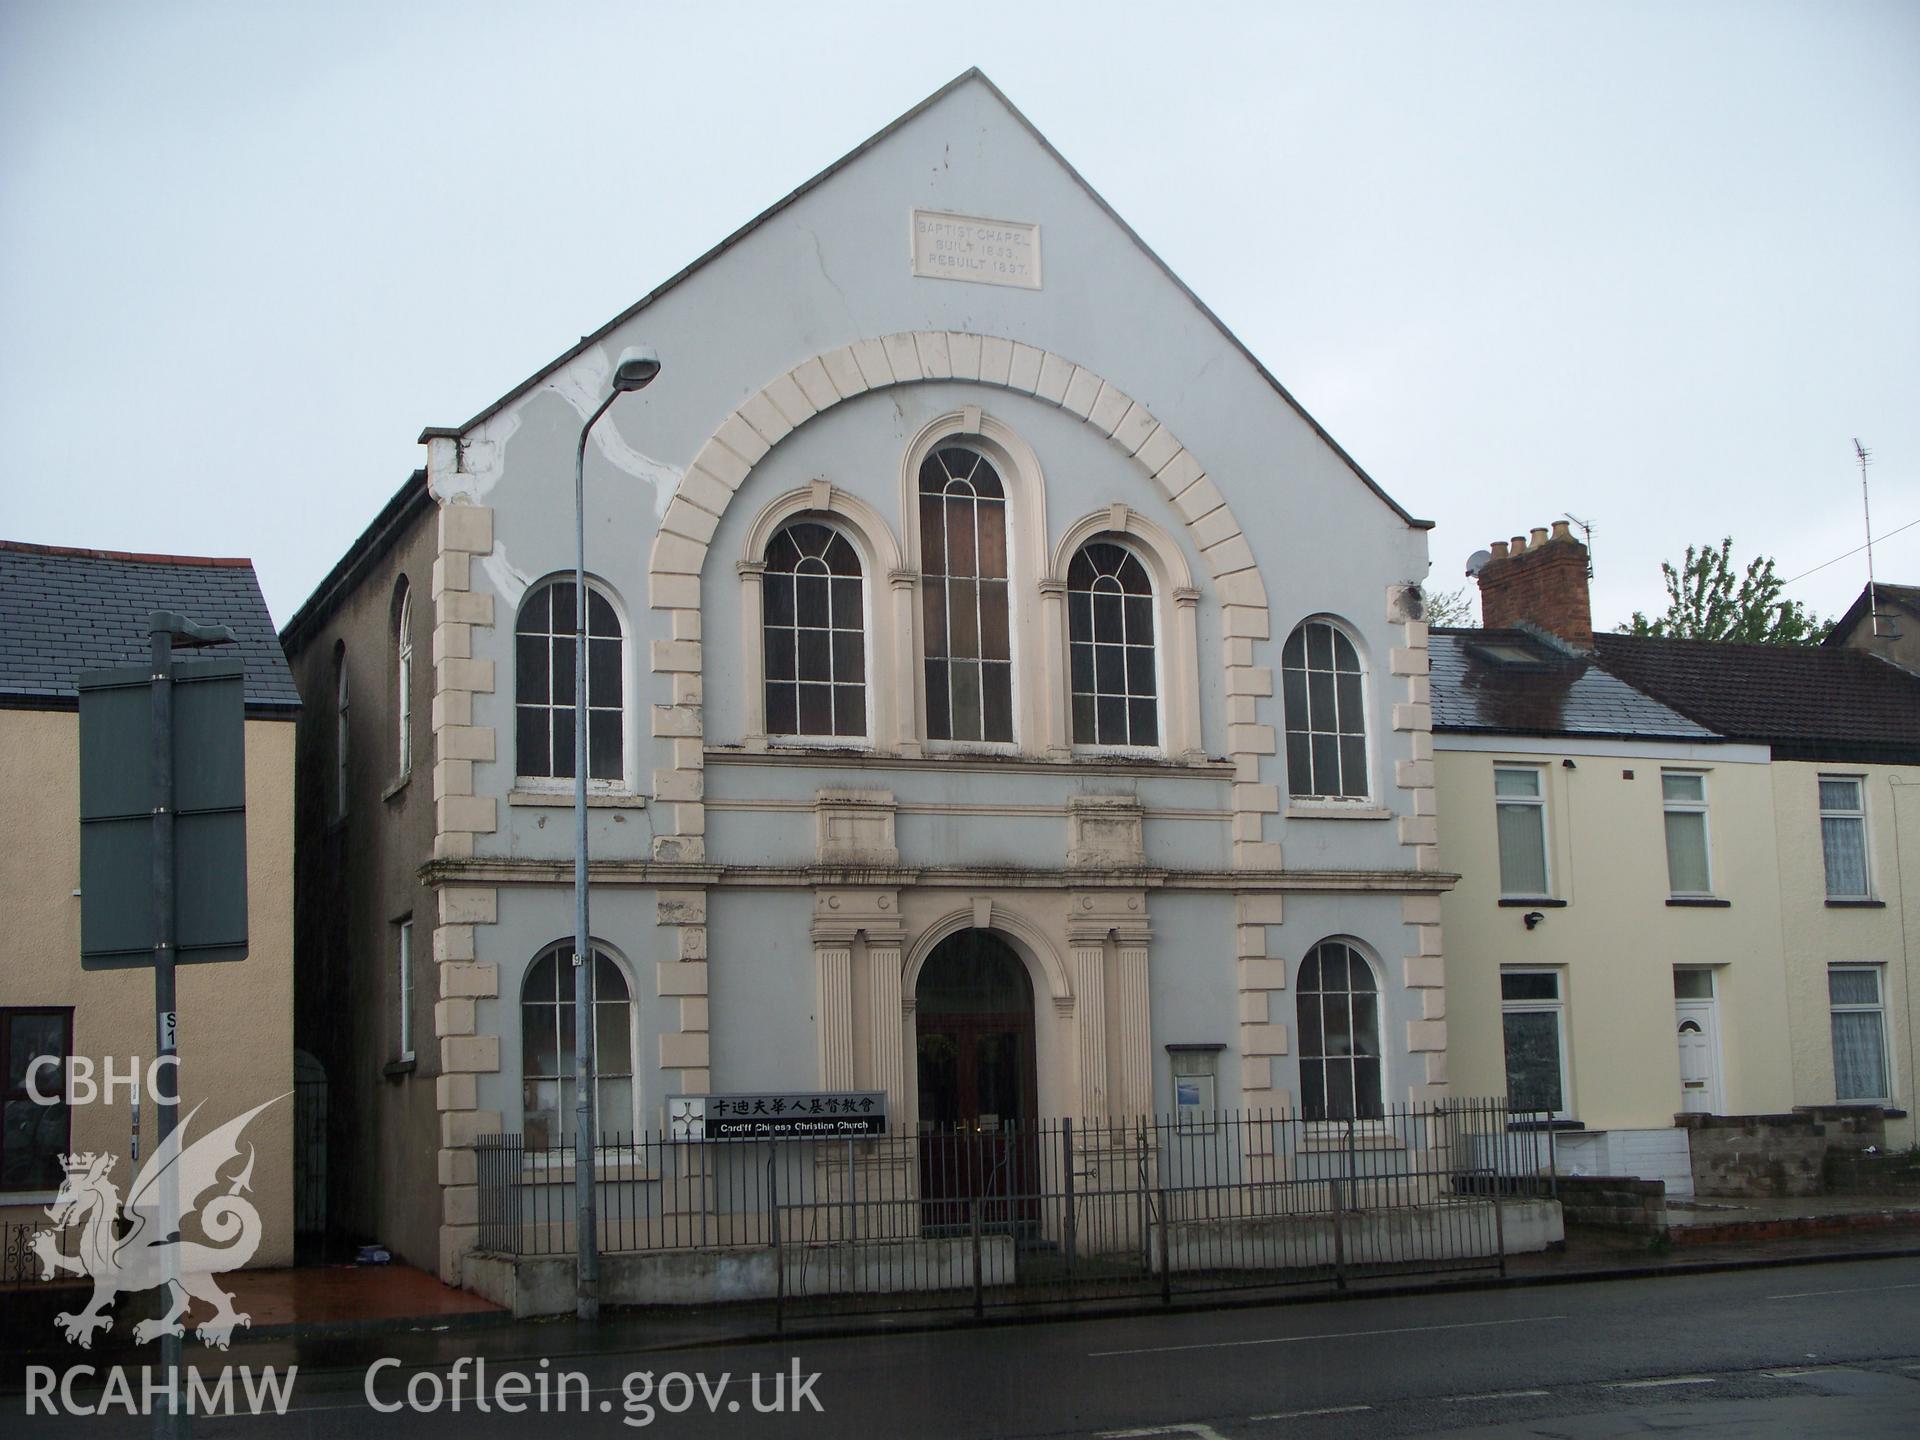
{"points": [[1326, 713], [814, 614], [1339, 1005], [403, 675], [963, 552], [340, 730], [546, 1047], [1110, 632], [543, 685]]}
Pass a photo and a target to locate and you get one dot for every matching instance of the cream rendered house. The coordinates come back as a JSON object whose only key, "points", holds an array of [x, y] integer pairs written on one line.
{"points": [[1683, 871], [62, 612]]}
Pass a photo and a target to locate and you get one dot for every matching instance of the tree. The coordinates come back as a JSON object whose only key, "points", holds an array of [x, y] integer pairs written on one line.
{"points": [[1709, 598], [1449, 607]]}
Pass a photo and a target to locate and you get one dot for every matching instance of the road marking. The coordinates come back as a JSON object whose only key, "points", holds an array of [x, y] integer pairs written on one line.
{"points": [[1201, 1432], [1659, 1384], [1331, 1335], [1857, 1290], [1490, 1395], [1307, 1414]]}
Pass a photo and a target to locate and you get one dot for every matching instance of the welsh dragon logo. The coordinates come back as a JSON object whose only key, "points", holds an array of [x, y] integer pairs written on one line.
{"points": [[123, 1252]]}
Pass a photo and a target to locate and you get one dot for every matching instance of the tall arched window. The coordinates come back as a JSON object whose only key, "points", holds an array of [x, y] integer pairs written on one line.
{"points": [[1326, 713], [340, 730], [403, 675], [963, 551], [546, 1047], [1339, 1007], [814, 617], [1110, 632], [543, 685]]}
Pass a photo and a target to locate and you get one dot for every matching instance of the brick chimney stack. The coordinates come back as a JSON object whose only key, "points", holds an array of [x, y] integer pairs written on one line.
{"points": [[1540, 578]]}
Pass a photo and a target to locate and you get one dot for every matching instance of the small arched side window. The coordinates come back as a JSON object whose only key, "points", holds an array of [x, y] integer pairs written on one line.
{"points": [[546, 1047], [1115, 677], [341, 732], [963, 554], [1339, 1011], [543, 685], [1325, 697], [813, 617], [403, 676]]}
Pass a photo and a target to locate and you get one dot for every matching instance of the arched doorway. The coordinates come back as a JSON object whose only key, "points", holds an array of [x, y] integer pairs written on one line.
{"points": [[974, 1051]]}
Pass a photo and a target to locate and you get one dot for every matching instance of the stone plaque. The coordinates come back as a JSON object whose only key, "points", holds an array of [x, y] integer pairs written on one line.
{"points": [[966, 247]]}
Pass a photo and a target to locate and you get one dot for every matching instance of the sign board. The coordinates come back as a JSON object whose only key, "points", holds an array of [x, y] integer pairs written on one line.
{"points": [[838, 1115], [967, 247], [116, 814]]}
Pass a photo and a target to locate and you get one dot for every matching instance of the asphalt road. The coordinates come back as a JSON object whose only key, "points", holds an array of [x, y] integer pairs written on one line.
{"points": [[1815, 1350]]}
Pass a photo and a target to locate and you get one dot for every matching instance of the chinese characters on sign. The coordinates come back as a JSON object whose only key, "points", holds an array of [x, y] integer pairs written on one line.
{"points": [[966, 247], [842, 1115]]}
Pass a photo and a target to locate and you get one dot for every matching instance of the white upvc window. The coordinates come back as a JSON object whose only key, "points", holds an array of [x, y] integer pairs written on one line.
{"points": [[1520, 813], [1860, 1073], [405, 959], [1534, 1029], [1843, 836], [1683, 793]]}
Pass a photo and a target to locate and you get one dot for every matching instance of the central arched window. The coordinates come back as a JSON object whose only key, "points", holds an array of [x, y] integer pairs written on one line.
{"points": [[543, 685], [963, 552], [1325, 698], [814, 614], [1110, 637], [546, 1047], [1339, 1008]]}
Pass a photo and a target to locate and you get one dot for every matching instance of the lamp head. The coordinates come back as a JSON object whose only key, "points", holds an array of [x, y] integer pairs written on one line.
{"points": [[636, 367]]}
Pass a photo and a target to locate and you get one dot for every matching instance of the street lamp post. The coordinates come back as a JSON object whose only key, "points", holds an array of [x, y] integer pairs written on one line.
{"points": [[634, 371]]}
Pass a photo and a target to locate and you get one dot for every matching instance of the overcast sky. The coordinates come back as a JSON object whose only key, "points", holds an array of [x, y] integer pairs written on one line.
{"points": [[1653, 264]]}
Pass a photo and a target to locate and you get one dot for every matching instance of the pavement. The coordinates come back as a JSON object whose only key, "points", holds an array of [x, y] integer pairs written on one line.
{"points": [[1754, 1351], [345, 1316]]}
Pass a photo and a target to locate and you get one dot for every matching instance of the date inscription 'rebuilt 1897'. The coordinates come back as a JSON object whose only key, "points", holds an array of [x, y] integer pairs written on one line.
{"points": [[966, 247]]}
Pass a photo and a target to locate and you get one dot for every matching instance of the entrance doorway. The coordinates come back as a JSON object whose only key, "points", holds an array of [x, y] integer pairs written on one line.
{"points": [[974, 1051], [1697, 1027]]}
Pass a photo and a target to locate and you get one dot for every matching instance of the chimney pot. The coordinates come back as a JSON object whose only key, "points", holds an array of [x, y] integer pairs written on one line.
{"points": [[1560, 530], [1518, 544], [1539, 535], [1498, 549]]}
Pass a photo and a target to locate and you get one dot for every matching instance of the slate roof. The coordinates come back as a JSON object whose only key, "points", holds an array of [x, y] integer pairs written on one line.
{"points": [[1550, 689], [65, 611], [1809, 702]]}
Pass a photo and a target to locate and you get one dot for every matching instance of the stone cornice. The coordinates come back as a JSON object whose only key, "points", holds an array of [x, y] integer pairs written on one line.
{"points": [[684, 875]]}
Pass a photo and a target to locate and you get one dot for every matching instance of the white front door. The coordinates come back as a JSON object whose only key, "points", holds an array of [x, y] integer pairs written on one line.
{"points": [[1699, 1057]]}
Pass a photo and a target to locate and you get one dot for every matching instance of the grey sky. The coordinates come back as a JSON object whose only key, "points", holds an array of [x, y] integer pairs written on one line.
{"points": [[1651, 263]]}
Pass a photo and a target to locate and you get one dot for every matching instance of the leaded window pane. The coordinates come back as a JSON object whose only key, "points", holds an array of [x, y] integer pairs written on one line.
{"points": [[1111, 636], [1338, 1008], [965, 609], [813, 619], [1324, 690], [543, 647]]}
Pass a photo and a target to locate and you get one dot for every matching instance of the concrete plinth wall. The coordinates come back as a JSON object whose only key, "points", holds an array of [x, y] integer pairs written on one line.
{"points": [[544, 1284], [1455, 1231]]}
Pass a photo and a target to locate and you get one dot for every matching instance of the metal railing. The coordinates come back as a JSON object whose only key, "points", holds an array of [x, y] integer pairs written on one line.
{"points": [[19, 1261], [1048, 1209]]}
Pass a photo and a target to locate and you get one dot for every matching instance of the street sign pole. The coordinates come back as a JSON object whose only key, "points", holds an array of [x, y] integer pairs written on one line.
{"points": [[170, 1421]]}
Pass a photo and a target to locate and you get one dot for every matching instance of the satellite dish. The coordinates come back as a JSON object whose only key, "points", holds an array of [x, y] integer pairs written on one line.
{"points": [[1478, 561]]}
